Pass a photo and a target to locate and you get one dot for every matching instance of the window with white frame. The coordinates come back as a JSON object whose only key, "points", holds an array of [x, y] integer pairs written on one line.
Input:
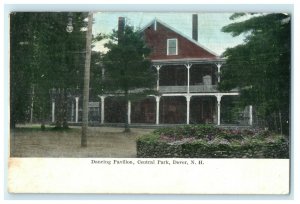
{"points": [[172, 47]]}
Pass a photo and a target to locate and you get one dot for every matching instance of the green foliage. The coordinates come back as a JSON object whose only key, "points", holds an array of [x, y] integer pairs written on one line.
{"points": [[231, 110], [43, 56], [260, 67], [203, 141], [127, 66], [95, 76], [210, 133], [236, 15], [150, 138], [187, 131], [20, 69]]}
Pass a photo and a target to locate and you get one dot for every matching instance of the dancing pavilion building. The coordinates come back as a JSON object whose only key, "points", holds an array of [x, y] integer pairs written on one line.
{"points": [[188, 74]]}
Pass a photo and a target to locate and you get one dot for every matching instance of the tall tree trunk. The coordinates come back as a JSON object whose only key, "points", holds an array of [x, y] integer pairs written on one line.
{"points": [[86, 82]]}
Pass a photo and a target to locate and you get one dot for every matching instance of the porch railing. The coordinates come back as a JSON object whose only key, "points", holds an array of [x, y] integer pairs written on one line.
{"points": [[183, 89]]}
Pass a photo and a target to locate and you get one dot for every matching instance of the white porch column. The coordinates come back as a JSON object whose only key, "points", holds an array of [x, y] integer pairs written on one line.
{"points": [[53, 111], [250, 115], [188, 66], [157, 109], [102, 109], [129, 112], [219, 108], [219, 71], [157, 80], [188, 99], [76, 109]]}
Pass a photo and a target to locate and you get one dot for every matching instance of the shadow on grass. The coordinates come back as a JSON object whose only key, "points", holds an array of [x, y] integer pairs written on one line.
{"points": [[45, 129]]}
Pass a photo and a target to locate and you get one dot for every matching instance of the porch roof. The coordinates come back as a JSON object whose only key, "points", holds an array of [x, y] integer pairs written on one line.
{"points": [[187, 61]]}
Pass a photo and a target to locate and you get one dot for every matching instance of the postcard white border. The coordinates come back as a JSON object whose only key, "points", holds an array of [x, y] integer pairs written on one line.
{"points": [[82, 160], [149, 176]]}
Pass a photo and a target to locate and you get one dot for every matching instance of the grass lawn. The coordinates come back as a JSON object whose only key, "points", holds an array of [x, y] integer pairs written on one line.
{"points": [[31, 141]]}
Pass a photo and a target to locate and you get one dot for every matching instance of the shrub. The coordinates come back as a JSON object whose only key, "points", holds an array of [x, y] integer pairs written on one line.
{"points": [[208, 141], [149, 138]]}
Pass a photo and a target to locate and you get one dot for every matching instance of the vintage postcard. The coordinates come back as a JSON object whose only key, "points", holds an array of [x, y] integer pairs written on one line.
{"points": [[150, 102]]}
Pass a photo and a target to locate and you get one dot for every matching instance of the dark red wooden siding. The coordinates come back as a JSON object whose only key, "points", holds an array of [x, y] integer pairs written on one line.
{"points": [[157, 41]]}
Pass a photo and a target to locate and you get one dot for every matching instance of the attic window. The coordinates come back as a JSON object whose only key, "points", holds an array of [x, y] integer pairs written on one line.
{"points": [[172, 48]]}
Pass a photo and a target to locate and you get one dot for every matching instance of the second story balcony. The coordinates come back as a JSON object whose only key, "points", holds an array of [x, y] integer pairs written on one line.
{"points": [[179, 79]]}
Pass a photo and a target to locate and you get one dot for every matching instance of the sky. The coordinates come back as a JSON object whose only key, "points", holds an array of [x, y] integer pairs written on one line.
{"points": [[209, 25]]}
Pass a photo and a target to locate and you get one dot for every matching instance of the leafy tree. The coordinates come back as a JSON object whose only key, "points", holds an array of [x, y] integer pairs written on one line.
{"points": [[63, 53], [45, 56], [260, 66], [127, 66], [20, 66], [96, 76]]}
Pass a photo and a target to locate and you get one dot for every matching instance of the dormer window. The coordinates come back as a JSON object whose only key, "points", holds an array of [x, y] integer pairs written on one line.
{"points": [[172, 46]]}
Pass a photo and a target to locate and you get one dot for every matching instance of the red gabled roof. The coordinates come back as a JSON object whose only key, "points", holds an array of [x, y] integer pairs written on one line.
{"points": [[156, 34]]}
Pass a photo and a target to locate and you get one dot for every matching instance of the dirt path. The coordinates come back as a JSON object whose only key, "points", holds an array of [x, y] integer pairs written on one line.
{"points": [[102, 142]]}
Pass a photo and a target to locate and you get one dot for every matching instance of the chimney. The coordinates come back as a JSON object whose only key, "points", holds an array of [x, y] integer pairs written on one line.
{"points": [[121, 26], [195, 27]]}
